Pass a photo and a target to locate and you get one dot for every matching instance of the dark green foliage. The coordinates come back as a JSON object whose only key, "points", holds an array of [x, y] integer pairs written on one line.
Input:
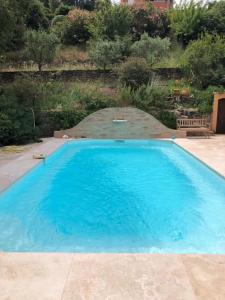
{"points": [[58, 120], [20, 109], [7, 26], [204, 61], [169, 119], [111, 21], [186, 21], [36, 16], [203, 99], [63, 9], [134, 72], [82, 4]]}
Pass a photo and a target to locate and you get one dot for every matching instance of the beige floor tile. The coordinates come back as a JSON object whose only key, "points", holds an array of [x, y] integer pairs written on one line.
{"points": [[207, 275], [33, 276], [127, 277]]}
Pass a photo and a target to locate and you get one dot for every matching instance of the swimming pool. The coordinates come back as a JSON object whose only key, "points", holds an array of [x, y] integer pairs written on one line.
{"points": [[115, 196]]}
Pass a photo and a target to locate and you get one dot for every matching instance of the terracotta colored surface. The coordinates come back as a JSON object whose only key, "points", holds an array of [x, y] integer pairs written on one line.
{"points": [[47, 276]]}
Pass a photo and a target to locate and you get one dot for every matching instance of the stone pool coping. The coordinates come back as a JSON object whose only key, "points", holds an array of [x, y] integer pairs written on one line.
{"points": [[62, 276]]}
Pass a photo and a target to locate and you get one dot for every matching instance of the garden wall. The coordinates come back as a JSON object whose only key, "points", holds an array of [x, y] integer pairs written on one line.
{"points": [[164, 73]]}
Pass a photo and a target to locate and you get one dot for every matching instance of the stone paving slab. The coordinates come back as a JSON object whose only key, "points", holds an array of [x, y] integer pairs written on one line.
{"points": [[210, 151], [54, 276]]}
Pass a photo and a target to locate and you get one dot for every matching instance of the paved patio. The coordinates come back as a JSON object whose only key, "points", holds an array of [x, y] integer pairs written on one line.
{"points": [[49, 276]]}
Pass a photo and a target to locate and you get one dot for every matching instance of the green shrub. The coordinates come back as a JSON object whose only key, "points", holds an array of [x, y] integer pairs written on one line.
{"points": [[59, 120], [20, 109], [169, 119], [104, 54], [152, 49], [203, 99], [134, 72], [204, 61], [41, 47], [6, 129]]}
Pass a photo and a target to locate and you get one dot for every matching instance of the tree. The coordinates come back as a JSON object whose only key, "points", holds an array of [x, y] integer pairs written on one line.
{"points": [[82, 4], [204, 61], [111, 21], [74, 29], [147, 19], [152, 49], [7, 26], [214, 20], [186, 20], [105, 53], [41, 47]]}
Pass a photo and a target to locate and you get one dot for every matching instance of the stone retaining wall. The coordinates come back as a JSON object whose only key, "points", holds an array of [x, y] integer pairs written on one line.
{"points": [[163, 73], [135, 124]]}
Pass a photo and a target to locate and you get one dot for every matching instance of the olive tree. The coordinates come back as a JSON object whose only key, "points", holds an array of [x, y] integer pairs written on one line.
{"points": [[41, 47]]}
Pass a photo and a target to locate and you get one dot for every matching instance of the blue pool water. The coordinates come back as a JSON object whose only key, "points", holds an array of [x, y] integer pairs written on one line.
{"points": [[112, 196]]}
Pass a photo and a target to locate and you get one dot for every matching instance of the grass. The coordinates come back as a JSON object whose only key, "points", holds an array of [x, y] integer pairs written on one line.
{"points": [[67, 58], [76, 58]]}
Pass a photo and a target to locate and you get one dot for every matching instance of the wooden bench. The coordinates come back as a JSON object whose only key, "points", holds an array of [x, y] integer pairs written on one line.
{"points": [[195, 127]]}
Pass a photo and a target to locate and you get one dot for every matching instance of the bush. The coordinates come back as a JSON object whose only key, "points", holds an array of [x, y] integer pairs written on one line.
{"points": [[169, 119], [51, 121], [134, 72], [151, 99], [204, 61], [152, 49], [74, 30], [19, 106], [204, 98]]}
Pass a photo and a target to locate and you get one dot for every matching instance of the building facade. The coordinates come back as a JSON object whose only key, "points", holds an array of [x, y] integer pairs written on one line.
{"points": [[159, 4]]}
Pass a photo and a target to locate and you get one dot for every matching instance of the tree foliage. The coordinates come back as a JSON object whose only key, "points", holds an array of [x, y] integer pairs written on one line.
{"points": [[41, 47], [204, 61], [152, 49], [186, 20], [74, 29], [111, 21], [104, 53], [147, 19]]}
